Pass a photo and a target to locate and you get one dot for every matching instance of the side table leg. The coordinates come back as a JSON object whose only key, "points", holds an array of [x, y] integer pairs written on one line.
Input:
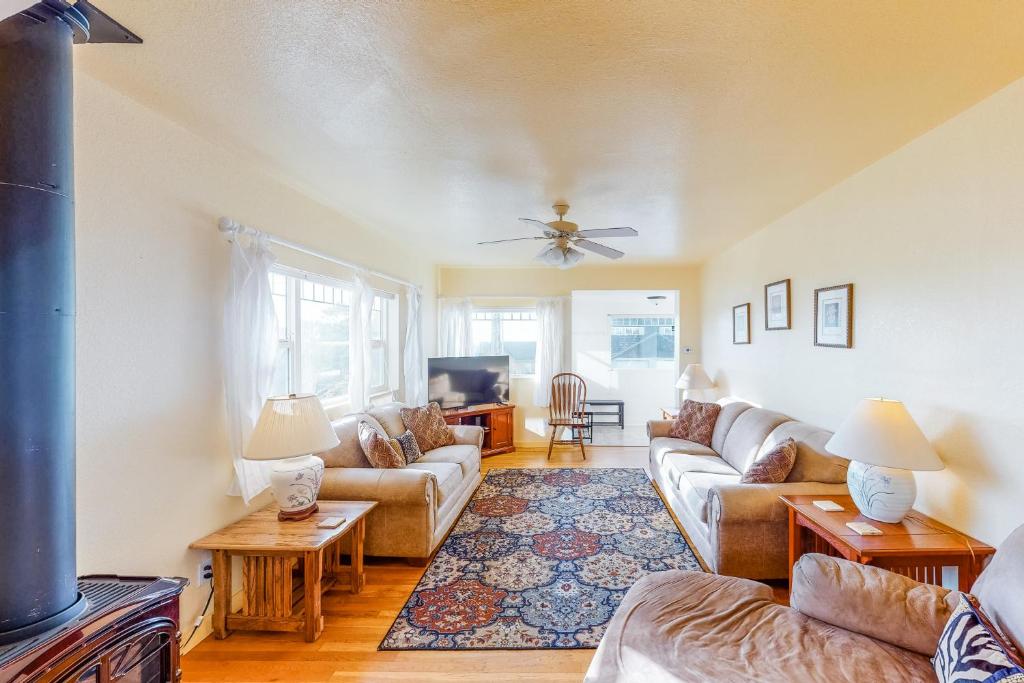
{"points": [[313, 571], [221, 592], [795, 544], [358, 536]]}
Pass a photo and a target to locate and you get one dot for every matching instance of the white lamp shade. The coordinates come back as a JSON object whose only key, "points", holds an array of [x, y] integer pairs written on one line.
{"points": [[694, 377], [290, 426], [881, 432]]}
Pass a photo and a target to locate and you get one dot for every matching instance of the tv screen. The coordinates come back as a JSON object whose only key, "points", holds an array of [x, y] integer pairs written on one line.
{"points": [[457, 382]]}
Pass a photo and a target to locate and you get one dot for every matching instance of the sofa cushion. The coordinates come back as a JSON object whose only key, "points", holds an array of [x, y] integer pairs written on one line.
{"points": [[449, 477], [747, 434], [813, 462], [726, 417], [773, 467], [694, 486], [348, 452], [691, 627], [663, 445], [676, 465], [408, 447], [389, 415], [1001, 585], [695, 422], [971, 649], [428, 425], [466, 457], [378, 449]]}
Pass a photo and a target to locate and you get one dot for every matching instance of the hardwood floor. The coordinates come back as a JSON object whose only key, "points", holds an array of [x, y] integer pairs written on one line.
{"points": [[355, 624]]}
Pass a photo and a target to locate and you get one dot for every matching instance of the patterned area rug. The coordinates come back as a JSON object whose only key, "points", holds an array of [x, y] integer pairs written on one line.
{"points": [[540, 559]]}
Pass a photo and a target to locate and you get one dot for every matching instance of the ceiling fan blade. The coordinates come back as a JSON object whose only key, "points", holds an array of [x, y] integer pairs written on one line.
{"points": [[599, 249], [514, 239], [608, 232], [540, 225]]}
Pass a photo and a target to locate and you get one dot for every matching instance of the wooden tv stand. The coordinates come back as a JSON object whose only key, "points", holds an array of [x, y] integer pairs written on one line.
{"points": [[495, 418]]}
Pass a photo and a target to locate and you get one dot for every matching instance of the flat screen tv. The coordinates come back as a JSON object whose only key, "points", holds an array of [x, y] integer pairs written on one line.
{"points": [[459, 382]]}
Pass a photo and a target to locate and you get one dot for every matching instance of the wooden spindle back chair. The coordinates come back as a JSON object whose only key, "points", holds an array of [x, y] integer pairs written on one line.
{"points": [[568, 398]]}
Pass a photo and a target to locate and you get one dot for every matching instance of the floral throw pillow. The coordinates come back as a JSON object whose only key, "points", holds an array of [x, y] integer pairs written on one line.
{"points": [[377, 448], [408, 447], [774, 466], [971, 649], [428, 427], [696, 422]]}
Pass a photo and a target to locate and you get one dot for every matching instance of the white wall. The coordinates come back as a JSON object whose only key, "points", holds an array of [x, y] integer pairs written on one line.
{"points": [[644, 390], [932, 237], [153, 462]]}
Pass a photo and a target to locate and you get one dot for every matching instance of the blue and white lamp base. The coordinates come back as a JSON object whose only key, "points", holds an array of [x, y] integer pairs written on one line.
{"points": [[295, 483], [885, 494]]}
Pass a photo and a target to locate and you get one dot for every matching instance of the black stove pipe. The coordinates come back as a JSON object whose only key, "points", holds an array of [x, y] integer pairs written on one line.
{"points": [[38, 581]]}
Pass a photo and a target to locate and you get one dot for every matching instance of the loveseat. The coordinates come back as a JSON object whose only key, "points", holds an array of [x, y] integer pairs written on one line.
{"points": [[741, 529], [848, 622], [418, 503]]}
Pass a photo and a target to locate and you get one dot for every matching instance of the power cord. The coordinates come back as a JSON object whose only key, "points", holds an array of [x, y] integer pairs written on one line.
{"points": [[199, 620]]}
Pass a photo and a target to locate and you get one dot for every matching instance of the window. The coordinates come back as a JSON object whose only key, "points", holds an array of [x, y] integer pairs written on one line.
{"points": [[497, 332], [642, 341], [313, 337]]}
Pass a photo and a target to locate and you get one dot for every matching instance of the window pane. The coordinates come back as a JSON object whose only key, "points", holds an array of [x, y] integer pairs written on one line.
{"points": [[642, 342], [519, 341], [378, 366], [324, 349], [482, 336]]}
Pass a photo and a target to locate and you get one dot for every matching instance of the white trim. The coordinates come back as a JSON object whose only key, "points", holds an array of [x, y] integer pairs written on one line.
{"points": [[229, 226]]}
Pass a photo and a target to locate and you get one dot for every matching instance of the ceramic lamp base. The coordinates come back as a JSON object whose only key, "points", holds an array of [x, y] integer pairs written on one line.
{"points": [[295, 483], [885, 494]]}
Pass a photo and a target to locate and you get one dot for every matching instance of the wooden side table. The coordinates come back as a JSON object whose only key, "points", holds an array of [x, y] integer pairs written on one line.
{"points": [[918, 547], [271, 552]]}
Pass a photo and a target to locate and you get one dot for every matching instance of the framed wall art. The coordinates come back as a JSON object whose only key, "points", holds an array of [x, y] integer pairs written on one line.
{"points": [[833, 316], [777, 301], [741, 324]]}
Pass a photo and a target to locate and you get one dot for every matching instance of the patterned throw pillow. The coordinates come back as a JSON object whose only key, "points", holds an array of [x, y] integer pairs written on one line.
{"points": [[774, 466], [377, 449], [696, 422], [971, 649], [428, 427], [408, 447]]}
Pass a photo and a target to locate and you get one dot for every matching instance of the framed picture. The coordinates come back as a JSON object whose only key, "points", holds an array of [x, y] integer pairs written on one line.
{"points": [[833, 316], [776, 306], [741, 324]]}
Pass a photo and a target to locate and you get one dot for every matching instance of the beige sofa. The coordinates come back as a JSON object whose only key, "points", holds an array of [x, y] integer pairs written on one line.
{"points": [[848, 622], [418, 504], [741, 529]]}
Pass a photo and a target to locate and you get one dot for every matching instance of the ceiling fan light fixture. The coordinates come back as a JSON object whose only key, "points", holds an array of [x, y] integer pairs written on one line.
{"points": [[552, 256], [571, 258]]}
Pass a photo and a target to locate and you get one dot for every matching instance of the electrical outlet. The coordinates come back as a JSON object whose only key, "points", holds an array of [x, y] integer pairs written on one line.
{"points": [[204, 570]]}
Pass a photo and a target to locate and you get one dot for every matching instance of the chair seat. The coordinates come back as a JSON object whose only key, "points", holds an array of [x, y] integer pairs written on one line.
{"points": [[567, 423]]}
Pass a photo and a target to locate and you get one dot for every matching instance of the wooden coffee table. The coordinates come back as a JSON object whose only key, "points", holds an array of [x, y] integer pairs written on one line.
{"points": [[917, 547], [286, 567]]}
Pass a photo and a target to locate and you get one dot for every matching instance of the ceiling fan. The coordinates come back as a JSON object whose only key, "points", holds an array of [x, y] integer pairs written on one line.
{"points": [[565, 236]]}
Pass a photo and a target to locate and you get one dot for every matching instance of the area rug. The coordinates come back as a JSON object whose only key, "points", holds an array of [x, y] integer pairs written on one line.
{"points": [[540, 558]]}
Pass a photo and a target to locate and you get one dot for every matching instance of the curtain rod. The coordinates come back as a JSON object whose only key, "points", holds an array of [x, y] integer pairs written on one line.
{"points": [[227, 225]]}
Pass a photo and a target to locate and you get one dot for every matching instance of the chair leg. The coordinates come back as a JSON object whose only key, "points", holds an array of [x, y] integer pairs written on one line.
{"points": [[582, 449], [551, 444]]}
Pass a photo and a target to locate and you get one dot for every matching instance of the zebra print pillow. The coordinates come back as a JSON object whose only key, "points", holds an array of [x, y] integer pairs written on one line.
{"points": [[971, 649]]}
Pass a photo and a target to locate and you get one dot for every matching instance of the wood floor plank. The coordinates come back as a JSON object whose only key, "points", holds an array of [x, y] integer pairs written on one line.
{"points": [[355, 624]]}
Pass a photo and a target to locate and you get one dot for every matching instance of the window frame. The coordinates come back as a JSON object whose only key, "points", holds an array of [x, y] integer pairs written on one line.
{"points": [[496, 322], [635, 320]]}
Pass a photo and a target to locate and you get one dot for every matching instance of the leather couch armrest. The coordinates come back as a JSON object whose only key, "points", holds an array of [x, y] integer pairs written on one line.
{"points": [[872, 601], [730, 503], [397, 486], [656, 428], [468, 435]]}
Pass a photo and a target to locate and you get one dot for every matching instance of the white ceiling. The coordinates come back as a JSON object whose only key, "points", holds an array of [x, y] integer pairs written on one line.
{"points": [[442, 122]]}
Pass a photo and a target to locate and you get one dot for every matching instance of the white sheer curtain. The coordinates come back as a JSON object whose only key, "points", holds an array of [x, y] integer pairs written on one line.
{"points": [[456, 319], [551, 345], [413, 357], [250, 346], [359, 346]]}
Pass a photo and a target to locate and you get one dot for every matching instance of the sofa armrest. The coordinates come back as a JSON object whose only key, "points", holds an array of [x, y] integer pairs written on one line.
{"points": [[729, 503], [397, 486], [468, 435], [871, 601], [656, 428]]}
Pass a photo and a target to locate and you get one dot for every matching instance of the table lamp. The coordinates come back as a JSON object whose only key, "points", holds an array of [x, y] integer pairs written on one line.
{"points": [[290, 430], [693, 379], [884, 446]]}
